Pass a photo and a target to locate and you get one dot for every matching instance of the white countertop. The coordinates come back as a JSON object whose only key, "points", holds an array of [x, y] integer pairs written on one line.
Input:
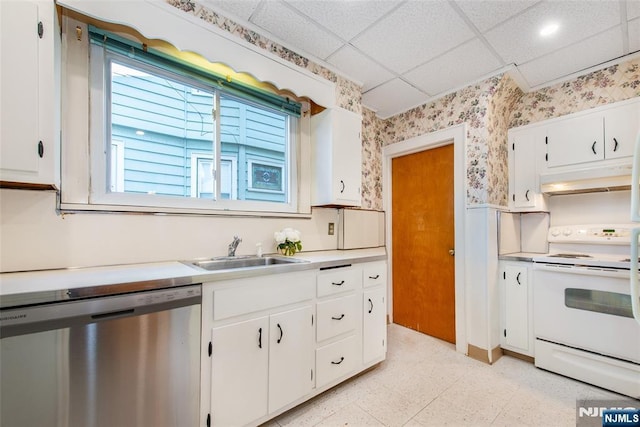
{"points": [[71, 278]]}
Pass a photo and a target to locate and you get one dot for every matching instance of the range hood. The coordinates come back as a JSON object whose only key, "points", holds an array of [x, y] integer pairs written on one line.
{"points": [[588, 180]]}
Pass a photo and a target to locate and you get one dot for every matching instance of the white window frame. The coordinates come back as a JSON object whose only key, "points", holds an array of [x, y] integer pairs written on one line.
{"points": [[117, 165], [100, 198]]}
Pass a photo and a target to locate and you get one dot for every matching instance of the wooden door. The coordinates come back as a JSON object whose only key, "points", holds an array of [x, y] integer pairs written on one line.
{"points": [[423, 236]]}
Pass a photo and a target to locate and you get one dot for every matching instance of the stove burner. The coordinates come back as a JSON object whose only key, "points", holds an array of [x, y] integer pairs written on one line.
{"points": [[576, 256]]}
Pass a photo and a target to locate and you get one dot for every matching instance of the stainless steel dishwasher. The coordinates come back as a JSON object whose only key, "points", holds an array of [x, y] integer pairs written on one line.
{"points": [[87, 358]]}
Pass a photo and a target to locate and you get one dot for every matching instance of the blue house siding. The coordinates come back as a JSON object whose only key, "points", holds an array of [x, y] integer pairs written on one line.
{"points": [[177, 122]]}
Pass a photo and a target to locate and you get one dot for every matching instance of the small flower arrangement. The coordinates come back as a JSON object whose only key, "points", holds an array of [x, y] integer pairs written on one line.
{"points": [[288, 241]]}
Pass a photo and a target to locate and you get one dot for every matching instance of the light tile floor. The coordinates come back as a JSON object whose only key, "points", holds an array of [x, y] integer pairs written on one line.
{"points": [[424, 382]]}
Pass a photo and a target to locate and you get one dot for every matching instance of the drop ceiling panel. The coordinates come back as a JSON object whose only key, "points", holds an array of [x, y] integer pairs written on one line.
{"points": [[414, 33], [236, 9], [358, 66], [346, 19], [634, 35], [633, 9], [462, 65], [300, 33], [518, 39], [585, 54], [392, 97], [486, 14]]}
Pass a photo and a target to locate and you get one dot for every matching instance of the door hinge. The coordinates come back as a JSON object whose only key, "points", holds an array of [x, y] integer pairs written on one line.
{"points": [[513, 146], [514, 197], [504, 275], [312, 375], [210, 348], [546, 140], [40, 29], [312, 320], [505, 333], [546, 157], [208, 420]]}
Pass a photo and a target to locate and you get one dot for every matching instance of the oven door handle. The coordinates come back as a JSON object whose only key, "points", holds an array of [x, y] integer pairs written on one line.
{"points": [[634, 282]]}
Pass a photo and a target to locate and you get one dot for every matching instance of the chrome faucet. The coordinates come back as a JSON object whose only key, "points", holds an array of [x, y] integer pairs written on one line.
{"points": [[233, 246]]}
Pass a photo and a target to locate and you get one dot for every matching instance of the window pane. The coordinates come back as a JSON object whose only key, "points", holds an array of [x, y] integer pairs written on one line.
{"points": [[161, 124], [258, 138]]}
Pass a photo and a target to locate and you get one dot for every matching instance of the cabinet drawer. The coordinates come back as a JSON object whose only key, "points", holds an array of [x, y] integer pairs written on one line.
{"points": [[337, 316], [336, 360], [339, 280], [374, 274]]}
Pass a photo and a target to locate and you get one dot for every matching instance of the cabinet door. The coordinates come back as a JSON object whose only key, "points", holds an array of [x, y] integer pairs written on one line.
{"points": [[27, 84], [523, 175], [374, 338], [239, 372], [291, 352], [576, 140], [620, 130], [516, 332], [347, 158]]}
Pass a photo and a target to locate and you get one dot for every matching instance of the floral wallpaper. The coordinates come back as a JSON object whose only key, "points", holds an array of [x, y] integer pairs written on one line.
{"points": [[372, 141], [473, 106], [615, 83]]}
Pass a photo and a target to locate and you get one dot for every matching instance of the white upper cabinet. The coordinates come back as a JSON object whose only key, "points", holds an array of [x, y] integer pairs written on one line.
{"points": [[621, 127], [337, 157], [526, 151], [605, 134], [29, 88], [579, 140]]}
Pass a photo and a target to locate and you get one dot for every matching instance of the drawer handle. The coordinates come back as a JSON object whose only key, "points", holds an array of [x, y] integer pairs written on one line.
{"points": [[338, 283], [370, 309], [337, 363], [374, 277], [260, 338], [281, 333], [338, 318]]}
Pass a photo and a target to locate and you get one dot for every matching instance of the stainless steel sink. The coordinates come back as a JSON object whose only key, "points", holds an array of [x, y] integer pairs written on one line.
{"points": [[227, 263]]}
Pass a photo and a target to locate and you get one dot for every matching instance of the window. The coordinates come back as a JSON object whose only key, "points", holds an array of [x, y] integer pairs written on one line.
{"points": [[168, 134]]}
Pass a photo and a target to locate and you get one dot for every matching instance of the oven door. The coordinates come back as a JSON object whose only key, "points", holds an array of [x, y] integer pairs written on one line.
{"points": [[586, 308]]}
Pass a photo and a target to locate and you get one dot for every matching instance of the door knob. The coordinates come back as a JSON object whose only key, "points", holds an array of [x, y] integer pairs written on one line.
{"points": [[452, 252]]}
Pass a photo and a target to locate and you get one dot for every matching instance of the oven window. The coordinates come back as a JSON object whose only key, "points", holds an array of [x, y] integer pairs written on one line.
{"points": [[599, 301]]}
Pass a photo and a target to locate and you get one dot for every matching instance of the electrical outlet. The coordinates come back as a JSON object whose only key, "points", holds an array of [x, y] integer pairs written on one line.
{"points": [[331, 228]]}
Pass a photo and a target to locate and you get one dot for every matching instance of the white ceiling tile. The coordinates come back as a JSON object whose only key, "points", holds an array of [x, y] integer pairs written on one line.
{"points": [[633, 9], [517, 40], [413, 34], [233, 8], [595, 50], [289, 26], [489, 13], [359, 67], [345, 18], [634, 35], [462, 65], [392, 98]]}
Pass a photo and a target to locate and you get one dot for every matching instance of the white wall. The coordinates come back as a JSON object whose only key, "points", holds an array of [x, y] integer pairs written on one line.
{"points": [[612, 207], [34, 236]]}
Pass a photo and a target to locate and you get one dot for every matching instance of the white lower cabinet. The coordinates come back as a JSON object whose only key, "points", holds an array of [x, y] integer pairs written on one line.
{"points": [[374, 324], [240, 372], [274, 341], [290, 356], [516, 307]]}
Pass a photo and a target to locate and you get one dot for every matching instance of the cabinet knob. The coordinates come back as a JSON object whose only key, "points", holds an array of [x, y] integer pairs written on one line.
{"points": [[615, 144], [593, 147]]}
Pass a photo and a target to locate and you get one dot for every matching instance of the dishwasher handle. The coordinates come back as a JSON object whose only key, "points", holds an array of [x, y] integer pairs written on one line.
{"points": [[46, 317]]}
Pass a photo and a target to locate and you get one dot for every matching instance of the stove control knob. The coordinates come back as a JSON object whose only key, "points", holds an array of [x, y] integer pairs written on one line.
{"points": [[555, 232], [566, 232]]}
